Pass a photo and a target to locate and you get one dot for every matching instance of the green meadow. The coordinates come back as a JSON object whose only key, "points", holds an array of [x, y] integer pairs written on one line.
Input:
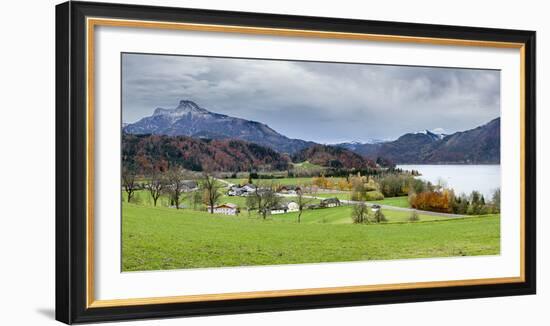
{"points": [[402, 201], [158, 238]]}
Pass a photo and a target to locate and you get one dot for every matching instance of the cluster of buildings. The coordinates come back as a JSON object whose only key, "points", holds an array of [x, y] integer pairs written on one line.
{"points": [[245, 190], [249, 189], [326, 203], [232, 209], [185, 185]]}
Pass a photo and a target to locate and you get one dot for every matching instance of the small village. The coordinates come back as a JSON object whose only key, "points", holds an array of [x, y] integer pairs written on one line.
{"points": [[281, 208]]}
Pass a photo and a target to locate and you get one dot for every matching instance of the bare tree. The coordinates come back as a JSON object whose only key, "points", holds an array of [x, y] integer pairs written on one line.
{"points": [[155, 185], [175, 186], [263, 199], [129, 182], [211, 190], [252, 202], [303, 201], [379, 217], [359, 214], [195, 198], [414, 216]]}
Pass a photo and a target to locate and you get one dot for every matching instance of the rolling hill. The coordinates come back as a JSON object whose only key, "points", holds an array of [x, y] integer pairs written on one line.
{"points": [[144, 152], [332, 157]]}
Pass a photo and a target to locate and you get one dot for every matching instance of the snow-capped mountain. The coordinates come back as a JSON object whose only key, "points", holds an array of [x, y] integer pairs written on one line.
{"points": [[478, 145], [189, 119], [434, 134], [353, 145]]}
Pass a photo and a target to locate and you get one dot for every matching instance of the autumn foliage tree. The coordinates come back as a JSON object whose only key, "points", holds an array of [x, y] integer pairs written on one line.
{"points": [[344, 185], [365, 188], [323, 182], [145, 152], [436, 201]]}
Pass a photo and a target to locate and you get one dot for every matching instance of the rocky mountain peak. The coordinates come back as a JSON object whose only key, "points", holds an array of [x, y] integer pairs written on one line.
{"points": [[434, 134], [184, 107], [189, 119], [189, 106]]}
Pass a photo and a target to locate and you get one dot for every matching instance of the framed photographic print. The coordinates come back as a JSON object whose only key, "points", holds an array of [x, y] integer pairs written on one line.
{"points": [[213, 162]]}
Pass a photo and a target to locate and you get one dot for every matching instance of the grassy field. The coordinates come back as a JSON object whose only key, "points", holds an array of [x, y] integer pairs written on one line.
{"points": [[393, 201], [340, 195], [164, 238], [342, 215], [402, 201]]}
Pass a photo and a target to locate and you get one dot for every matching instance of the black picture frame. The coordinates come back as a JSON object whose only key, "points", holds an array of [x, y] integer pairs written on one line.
{"points": [[71, 155]]}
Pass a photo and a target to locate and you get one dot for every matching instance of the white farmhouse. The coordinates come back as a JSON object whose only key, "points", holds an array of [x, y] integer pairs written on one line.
{"points": [[249, 188], [330, 202], [285, 208], [293, 207], [281, 209], [226, 209]]}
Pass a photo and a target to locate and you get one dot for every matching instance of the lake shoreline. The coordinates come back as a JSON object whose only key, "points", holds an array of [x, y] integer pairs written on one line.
{"points": [[462, 178]]}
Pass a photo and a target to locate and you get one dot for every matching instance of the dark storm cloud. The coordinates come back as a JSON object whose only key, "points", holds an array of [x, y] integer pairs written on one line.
{"points": [[323, 102]]}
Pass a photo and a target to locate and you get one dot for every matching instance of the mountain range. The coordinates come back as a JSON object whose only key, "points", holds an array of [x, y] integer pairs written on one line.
{"points": [[480, 145], [188, 119]]}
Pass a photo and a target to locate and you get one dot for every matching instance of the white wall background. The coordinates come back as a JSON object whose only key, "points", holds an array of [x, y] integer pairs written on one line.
{"points": [[27, 162]]}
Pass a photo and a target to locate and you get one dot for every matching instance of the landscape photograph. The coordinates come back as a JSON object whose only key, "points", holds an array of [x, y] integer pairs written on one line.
{"points": [[232, 162]]}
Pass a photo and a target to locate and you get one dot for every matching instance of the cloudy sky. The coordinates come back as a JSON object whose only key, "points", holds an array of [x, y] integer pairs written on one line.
{"points": [[322, 102]]}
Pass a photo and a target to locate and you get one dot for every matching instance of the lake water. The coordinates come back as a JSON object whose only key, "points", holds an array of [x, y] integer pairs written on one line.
{"points": [[462, 178]]}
